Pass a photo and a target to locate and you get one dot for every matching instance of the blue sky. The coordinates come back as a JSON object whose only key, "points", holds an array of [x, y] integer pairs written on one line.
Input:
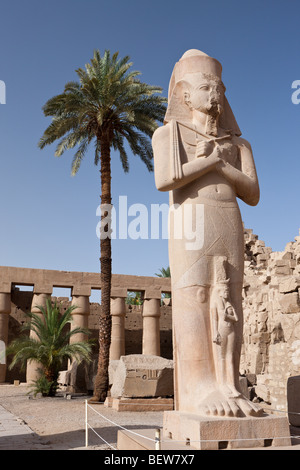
{"points": [[48, 217]]}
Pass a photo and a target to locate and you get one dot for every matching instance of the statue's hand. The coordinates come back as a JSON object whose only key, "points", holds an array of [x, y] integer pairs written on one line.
{"points": [[221, 161], [204, 148], [217, 338]]}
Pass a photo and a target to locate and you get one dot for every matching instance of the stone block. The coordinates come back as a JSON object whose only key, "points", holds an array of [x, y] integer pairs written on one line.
{"points": [[244, 386], [81, 289], [144, 439], [283, 271], [289, 303], [252, 379], [226, 433], [263, 392], [64, 377], [142, 404], [262, 258], [75, 379], [108, 401], [113, 365], [290, 284], [118, 292], [151, 293], [293, 400], [141, 376], [281, 262], [43, 288]]}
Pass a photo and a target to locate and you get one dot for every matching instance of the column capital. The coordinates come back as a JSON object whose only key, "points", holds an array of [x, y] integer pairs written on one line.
{"points": [[151, 308], [118, 306], [39, 300], [82, 304], [5, 287]]}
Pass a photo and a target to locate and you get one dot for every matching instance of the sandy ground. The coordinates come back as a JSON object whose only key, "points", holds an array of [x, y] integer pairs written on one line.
{"points": [[60, 422]]}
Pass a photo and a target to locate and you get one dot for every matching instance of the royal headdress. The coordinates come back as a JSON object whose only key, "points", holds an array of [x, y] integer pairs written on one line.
{"points": [[191, 63]]}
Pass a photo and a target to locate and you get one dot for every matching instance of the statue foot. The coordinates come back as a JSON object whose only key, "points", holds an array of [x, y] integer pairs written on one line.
{"points": [[231, 392], [249, 408], [220, 404]]}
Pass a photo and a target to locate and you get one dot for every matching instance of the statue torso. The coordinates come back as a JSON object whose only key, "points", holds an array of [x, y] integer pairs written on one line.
{"points": [[211, 186]]}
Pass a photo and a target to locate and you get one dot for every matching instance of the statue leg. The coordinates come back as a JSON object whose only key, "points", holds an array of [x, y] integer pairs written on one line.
{"points": [[229, 383], [194, 367]]}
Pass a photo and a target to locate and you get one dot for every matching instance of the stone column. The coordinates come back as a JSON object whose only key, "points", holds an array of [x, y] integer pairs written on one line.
{"points": [[80, 316], [39, 300], [151, 327], [118, 312], [5, 308], [79, 379]]}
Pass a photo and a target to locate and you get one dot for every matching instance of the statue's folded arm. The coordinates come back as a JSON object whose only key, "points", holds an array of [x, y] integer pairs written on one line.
{"points": [[165, 177], [244, 181]]}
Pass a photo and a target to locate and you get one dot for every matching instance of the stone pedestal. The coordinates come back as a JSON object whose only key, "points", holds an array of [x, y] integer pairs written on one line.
{"points": [[139, 404], [225, 433]]}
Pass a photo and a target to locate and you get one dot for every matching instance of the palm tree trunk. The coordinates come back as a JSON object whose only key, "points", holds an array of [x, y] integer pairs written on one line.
{"points": [[101, 380], [51, 374]]}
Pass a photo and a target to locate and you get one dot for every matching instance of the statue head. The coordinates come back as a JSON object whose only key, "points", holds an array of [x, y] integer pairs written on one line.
{"points": [[196, 84], [204, 93], [222, 287]]}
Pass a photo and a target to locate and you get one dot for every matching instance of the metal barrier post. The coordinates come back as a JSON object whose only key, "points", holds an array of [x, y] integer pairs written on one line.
{"points": [[157, 440], [86, 425]]}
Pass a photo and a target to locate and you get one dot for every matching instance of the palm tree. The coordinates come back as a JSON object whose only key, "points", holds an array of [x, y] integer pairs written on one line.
{"points": [[109, 105], [164, 272], [51, 347]]}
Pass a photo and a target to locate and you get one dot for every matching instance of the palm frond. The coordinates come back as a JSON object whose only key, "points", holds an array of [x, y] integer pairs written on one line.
{"points": [[79, 155], [118, 144], [108, 99]]}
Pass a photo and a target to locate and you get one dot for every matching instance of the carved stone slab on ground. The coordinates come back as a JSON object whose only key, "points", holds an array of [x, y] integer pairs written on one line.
{"points": [[143, 376]]}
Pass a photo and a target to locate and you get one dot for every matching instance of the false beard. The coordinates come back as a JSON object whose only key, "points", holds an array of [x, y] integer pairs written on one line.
{"points": [[214, 111]]}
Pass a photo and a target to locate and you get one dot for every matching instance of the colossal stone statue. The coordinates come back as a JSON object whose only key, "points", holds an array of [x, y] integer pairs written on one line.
{"points": [[200, 158]]}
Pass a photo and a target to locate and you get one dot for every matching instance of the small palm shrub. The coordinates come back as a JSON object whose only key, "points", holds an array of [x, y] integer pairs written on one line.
{"points": [[51, 347], [43, 386]]}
